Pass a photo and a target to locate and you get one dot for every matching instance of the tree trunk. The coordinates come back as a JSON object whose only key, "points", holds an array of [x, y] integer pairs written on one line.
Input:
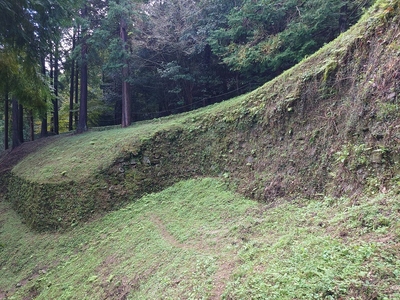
{"points": [[31, 125], [6, 120], [82, 123], [76, 115], [126, 103], [71, 98], [72, 89], [52, 85], [55, 84], [43, 131], [343, 18], [15, 124], [188, 90], [21, 123]]}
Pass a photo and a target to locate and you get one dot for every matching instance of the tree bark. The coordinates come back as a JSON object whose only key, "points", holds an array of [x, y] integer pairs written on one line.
{"points": [[51, 62], [126, 103], [55, 101], [31, 126], [188, 89], [72, 89], [76, 115], [21, 122], [82, 123], [343, 19], [6, 120], [43, 131], [15, 124]]}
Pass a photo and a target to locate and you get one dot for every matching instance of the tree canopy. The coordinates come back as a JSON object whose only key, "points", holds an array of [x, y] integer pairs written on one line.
{"points": [[266, 37]]}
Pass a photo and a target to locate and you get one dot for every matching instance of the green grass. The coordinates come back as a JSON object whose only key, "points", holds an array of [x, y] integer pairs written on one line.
{"points": [[197, 240], [75, 157]]}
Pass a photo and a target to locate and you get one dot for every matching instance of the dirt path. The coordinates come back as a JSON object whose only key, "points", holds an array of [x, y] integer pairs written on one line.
{"points": [[167, 236], [225, 268]]}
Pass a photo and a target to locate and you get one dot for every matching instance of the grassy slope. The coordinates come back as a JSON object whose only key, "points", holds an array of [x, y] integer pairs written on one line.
{"points": [[196, 240], [307, 132], [75, 158], [327, 126]]}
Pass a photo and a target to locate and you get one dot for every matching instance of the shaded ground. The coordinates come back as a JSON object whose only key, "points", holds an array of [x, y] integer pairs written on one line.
{"points": [[9, 158]]}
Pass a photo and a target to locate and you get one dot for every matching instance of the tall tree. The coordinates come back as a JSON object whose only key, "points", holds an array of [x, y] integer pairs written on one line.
{"points": [[91, 16], [55, 89], [6, 119], [72, 85], [8, 72], [126, 101], [43, 130], [171, 49], [20, 80], [82, 123], [16, 137], [27, 27], [115, 29]]}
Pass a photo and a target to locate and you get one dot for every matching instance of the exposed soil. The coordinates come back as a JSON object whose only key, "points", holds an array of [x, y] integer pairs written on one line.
{"points": [[33, 291], [169, 237], [3, 295], [221, 277]]}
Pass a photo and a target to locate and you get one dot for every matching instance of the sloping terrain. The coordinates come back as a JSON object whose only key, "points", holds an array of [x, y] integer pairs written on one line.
{"points": [[317, 146], [197, 240], [328, 126]]}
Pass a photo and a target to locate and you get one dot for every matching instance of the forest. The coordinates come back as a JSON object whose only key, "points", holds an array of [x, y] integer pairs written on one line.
{"points": [[71, 65]]}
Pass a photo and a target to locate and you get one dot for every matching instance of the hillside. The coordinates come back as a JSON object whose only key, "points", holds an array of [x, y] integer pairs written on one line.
{"points": [[328, 126], [317, 148], [197, 240]]}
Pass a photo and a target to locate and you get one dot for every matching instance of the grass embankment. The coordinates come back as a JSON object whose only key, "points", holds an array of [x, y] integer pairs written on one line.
{"points": [[328, 126], [197, 240], [78, 176], [78, 157]]}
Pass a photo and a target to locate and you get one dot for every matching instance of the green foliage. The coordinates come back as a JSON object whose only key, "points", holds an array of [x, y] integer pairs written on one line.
{"points": [[303, 264], [267, 37], [239, 138], [29, 31], [388, 111], [21, 79]]}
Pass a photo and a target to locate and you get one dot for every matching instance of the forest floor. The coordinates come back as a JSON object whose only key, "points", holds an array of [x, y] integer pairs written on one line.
{"points": [[10, 158]]}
